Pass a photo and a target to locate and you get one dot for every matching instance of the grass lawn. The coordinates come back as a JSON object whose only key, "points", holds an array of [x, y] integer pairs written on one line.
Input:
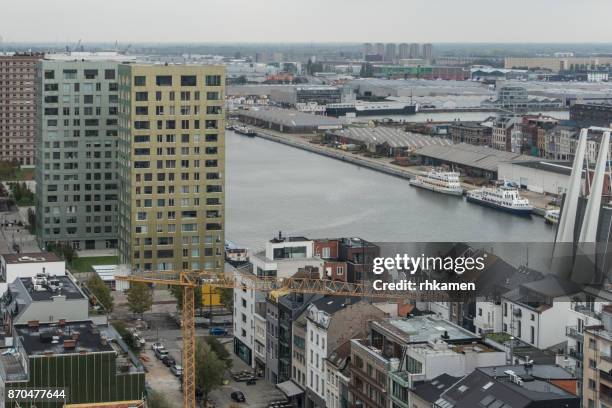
{"points": [[84, 264]]}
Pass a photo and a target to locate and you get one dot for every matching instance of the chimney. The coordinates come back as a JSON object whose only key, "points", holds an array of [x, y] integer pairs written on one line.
{"points": [[69, 344], [280, 235]]}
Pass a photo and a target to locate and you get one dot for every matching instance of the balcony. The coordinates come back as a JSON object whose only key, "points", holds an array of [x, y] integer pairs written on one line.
{"points": [[577, 355], [572, 331], [586, 309]]}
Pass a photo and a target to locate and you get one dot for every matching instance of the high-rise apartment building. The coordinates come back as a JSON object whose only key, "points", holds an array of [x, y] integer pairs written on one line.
{"points": [[380, 49], [76, 152], [404, 51], [171, 160], [17, 107], [427, 52], [414, 50], [390, 51]]}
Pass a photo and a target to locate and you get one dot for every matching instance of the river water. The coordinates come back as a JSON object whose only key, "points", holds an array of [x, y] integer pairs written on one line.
{"points": [[272, 187]]}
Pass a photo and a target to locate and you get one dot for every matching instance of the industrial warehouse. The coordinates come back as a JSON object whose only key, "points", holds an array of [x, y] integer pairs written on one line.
{"points": [[288, 121]]}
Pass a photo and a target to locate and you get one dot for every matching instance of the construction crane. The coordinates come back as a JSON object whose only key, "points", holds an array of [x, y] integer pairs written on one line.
{"points": [[189, 280]]}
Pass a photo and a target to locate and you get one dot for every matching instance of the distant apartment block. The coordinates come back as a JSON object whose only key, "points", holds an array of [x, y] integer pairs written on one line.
{"points": [[76, 153], [591, 114], [17, 107], [171, 159], [470, 132]]}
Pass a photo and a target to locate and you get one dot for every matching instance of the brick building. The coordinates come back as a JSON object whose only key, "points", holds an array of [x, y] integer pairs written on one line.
{"points": [[17, 107]]}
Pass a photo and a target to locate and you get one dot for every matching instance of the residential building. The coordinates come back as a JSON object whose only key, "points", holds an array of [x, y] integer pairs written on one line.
{"points": [[338, 377], [597, 377], [585, 312], [18, 107], [414, 51], [471, 133], [76, 353], [76, 152], [171, 157], [260, 339], [249, 306], [591, 114], [282, 257], [399, 351], [506, 134], [561, 142], [282, 309], [427, 53], [27, 265], [517, 386], [536, 312], [57, 298], [404, 51], [330, 322], [423, 394], [380, 49], [534, 133], [390, 52], [299, 369], [359, 256]]}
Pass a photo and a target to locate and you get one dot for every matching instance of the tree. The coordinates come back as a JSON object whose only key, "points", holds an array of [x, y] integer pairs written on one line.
{"points": [[101, 292], [139, 297], [127, 336], [177, 292], [220, 350], [226, 297], [209, 369], [63, 250], [31, 221], [156, 399]]}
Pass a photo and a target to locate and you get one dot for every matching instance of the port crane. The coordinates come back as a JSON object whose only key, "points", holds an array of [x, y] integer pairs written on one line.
{"points": [[190, 280]]}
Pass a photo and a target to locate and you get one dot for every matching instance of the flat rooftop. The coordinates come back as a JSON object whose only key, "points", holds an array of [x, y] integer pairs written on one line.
{"points": [[30, 257], [421, 329], [68, 289], [291, 118], [480, 157], [55, 338]]}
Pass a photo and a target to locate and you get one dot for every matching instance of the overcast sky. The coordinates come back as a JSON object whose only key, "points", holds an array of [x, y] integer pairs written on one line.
{"points": [[306, 21]]}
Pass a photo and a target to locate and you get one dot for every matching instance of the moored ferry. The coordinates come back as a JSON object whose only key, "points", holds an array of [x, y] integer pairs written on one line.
{"points": [[446, 182], [552, 216], [505, 198]]}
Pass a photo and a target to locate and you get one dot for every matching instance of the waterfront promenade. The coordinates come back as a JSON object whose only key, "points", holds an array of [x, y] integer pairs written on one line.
{"points": [[381, 164]]}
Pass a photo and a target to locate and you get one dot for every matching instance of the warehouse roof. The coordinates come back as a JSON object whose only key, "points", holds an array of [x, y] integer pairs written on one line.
{"points": [[559, 167], [291, 118], [481, 157], [391, 136]]}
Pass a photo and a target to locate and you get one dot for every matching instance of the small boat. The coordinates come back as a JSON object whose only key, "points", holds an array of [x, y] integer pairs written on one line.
{"points": [[552, 216], [244, 130], [505, 198], [446, 182]]}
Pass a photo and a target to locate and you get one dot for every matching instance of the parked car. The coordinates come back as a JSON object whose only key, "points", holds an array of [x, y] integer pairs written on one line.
{"points": [[217, 331], [177, 370], [238, 396], [168, 360], [251, 381], [160, 353], [156, 346]]}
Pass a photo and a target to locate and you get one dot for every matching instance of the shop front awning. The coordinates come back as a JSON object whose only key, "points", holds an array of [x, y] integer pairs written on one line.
{"points": [[289, 388]]}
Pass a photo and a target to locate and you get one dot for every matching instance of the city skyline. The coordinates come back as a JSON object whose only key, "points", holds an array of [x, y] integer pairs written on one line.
{"points": [[415, 21]]}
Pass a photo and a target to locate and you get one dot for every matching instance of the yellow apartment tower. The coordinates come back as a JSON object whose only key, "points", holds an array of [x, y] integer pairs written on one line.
{"points": [[171, 157]]}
